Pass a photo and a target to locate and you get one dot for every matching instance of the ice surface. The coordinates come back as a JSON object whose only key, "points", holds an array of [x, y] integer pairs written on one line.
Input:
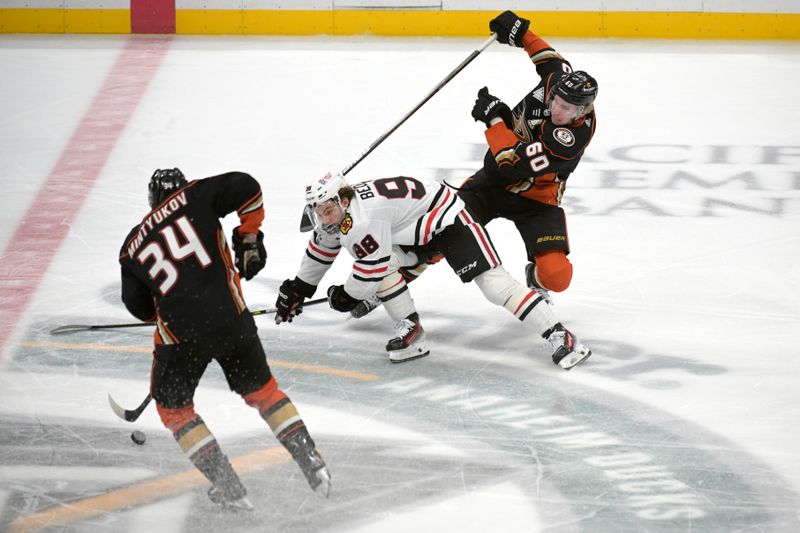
{"points": [[683, 221]]}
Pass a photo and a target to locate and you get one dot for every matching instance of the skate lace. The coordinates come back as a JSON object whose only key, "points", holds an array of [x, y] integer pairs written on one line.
{"points": [[557, 339], [561, 339], [404, 327]]}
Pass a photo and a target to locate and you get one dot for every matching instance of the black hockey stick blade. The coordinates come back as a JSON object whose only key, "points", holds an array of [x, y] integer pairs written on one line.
{"points": [[74, 328], [127, 414], [305, 223]]}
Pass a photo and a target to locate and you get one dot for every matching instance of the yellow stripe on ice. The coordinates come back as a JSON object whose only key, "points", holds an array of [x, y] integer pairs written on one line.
{"points": [[275, 363], [139, 494]]}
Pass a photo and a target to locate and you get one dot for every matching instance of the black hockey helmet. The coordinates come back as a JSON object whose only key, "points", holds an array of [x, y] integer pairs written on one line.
{"points": [[163, 183], [577, 88]]}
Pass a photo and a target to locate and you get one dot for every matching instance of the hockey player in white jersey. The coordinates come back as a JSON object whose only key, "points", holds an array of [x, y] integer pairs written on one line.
{"points": [[392, 223]]}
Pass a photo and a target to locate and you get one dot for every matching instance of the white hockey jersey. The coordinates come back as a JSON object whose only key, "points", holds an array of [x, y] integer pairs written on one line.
{"points": [[384, 214]]}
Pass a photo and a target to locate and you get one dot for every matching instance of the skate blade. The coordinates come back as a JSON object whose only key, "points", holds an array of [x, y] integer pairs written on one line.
{"points": [[242, 504], [575, 358], [324, 487], [415, 351]]}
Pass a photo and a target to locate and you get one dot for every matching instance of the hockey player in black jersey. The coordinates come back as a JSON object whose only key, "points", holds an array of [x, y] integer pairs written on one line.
{"points": [[177, 272], [533, 149]]}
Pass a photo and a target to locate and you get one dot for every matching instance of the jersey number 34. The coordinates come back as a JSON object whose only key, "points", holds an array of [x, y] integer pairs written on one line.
{"points": [[178, 251]]}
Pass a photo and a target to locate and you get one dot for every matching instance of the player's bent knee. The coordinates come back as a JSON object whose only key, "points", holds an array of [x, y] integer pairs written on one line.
{"points": [[174, 419], [553, 270], [265, 396]]}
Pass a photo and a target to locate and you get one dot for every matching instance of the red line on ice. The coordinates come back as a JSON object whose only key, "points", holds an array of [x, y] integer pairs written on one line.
{"points": [[38, 237]]}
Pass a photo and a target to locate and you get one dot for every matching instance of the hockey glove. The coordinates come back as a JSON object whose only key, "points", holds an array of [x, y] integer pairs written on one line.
{"points": [[488, 107], [250, 256], [339, 300], [510, 28], [291, 295], [365, 307]]}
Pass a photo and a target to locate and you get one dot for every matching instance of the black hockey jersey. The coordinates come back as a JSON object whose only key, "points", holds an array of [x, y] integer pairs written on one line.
{"points": [[533, 157], [176, 265]]}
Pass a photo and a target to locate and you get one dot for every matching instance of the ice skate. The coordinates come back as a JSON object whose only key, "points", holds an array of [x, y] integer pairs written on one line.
{"points": [[566, 353], [530, 280], [410, 341], [230, 494], [304, 453], [219, 497]]}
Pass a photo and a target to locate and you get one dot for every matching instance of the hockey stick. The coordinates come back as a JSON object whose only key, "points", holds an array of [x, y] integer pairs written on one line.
{"points": [[129, 415], [74, 328], [305, 222]]}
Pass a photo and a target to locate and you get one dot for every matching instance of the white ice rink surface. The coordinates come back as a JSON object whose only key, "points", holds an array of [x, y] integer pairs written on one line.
{"points": [[684, 224]]}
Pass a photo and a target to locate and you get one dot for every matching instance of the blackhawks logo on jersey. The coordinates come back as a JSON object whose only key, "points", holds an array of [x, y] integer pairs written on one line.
{"points": [[347, 224]]}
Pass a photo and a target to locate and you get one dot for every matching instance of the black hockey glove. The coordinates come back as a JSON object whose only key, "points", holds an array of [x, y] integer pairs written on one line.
{"points": [[487, 107], [510, 28], [339, 300], [290, 299], [428, 254], [250, 257], [365, 307]]}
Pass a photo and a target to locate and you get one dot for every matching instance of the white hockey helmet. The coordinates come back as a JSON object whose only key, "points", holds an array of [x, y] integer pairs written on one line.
{"points": [[321, 190]]}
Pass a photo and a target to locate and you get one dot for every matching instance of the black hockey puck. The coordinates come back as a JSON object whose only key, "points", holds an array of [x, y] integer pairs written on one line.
{"points": [[138, 437]]}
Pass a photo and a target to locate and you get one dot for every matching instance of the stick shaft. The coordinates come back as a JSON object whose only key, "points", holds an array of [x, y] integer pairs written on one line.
{"points": [[74, 328], [305, 222], [270, 310], [422, 102]]}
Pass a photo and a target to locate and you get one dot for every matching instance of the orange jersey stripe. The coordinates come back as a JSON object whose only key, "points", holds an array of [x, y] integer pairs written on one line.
{"points": [[234, 285], [533, 43], [500, 137], [251, 214]]}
